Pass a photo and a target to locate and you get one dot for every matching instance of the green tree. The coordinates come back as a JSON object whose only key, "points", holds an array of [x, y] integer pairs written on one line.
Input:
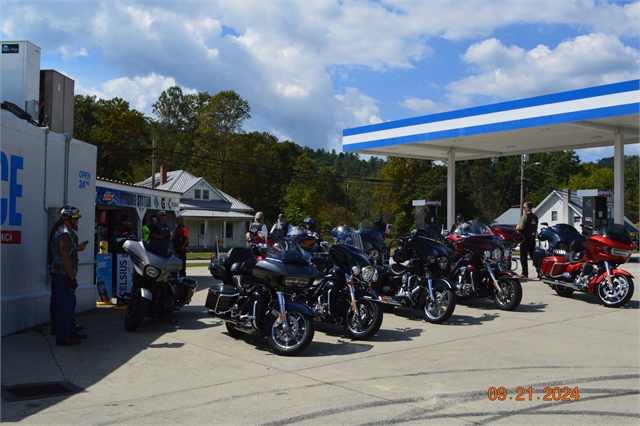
{"points": [[119, 132]]}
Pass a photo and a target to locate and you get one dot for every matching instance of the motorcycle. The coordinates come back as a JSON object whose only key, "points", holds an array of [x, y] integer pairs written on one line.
{"points": [[373, 244], [478, 270], [592, 267], [298, 234], [342, 295], [421, 283], [510, 238], [255, 296], [558, 239], [155, 291]]}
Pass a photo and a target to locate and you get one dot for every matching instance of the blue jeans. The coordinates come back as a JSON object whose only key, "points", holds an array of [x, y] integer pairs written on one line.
{"points": [[63, 307]]}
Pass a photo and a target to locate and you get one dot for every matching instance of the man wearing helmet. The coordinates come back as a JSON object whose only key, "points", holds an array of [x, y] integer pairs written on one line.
{"points": [[63, 268], [460, 224]]}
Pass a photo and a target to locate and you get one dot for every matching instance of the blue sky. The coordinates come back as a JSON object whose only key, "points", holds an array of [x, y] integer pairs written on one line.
{"points": [[311, 69]]}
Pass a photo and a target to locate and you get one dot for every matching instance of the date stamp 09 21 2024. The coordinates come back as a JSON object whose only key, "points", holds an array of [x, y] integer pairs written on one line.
{"points": [[550, 393]]}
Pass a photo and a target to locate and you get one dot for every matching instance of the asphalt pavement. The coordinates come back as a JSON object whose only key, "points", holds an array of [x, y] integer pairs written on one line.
{"points": [[552, 361]]}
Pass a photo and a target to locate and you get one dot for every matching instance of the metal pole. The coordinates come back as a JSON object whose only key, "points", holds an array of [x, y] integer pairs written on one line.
{"points": [[153, 166], [521, 184]]}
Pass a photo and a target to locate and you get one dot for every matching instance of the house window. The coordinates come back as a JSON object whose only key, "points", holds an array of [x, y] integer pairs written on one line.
{"points": [[205, 194], [554, 216], [228, 230], [197, 194]]}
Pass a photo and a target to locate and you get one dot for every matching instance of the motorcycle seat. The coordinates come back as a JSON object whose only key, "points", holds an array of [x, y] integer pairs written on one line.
{"points": [[243, 268], [397, 269], [244, 284]]}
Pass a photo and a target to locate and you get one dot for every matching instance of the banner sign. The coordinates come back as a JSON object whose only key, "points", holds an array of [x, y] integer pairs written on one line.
{"points": [[104, 277], [116, 197], [124, 278]]}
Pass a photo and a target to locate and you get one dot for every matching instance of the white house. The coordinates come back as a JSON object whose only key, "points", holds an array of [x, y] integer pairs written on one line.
{"points": [[553, 210], [209, 213]]}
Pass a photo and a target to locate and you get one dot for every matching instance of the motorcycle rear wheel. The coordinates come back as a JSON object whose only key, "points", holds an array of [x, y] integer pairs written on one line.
{"points": [[511, 295], [616, 294], [563, 291], [365, 323], [439, 310], [232, 330], [296, 338], [136, 311]]}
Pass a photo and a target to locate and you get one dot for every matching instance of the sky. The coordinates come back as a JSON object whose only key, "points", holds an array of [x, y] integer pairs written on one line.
{"points": [[310, 69]]}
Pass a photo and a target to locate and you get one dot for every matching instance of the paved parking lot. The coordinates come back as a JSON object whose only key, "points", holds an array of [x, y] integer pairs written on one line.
{"points": [[411, 372]]}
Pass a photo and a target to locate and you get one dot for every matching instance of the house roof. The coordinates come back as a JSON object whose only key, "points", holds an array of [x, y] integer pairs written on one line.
{"points": [[216, 214], [182, 181]]}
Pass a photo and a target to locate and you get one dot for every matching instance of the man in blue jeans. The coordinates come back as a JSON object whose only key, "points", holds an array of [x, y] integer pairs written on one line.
{"points": [[63, 268]]}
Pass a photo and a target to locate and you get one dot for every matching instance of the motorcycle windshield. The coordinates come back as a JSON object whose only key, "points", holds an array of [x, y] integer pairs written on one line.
{"points": [[474, 228], [348, 236], [615, 232], [288, 252], [297, 232]]}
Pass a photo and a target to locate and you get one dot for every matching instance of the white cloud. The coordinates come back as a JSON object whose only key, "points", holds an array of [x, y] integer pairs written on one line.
{"points": [[511, 73], [281, 56]]}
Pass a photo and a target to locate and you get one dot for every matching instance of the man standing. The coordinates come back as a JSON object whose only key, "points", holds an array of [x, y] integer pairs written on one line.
{"points": [[281, 227], [160, 230], [180, 244], [528, 227], [63, 268], [256, 226], [145, 230]]}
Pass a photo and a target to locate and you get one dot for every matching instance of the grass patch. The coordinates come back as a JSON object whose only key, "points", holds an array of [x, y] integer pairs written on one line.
{"points": [[199, 255]]}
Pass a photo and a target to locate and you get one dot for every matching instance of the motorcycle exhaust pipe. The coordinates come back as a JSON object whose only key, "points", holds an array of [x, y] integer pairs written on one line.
{"points": [[552, 282]]}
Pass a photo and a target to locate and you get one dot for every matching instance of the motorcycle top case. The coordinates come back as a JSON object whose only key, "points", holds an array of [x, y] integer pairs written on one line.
{"points": [[553, 266], [221, 297]]}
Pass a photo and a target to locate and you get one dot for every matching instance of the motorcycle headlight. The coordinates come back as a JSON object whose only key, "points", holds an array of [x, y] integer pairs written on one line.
{"points": [[152, 271], [367, 273], [620, 252], [497, 253], [355, 270], [487, 254], [374, 254], [296, 281], [443, 262], [375, 275]]}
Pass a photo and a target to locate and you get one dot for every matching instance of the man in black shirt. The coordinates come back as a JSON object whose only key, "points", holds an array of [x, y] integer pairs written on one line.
{"points": [[528, 227]]}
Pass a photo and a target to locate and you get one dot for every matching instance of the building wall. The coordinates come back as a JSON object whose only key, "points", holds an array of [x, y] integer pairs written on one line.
{"points": [[33, 188]]}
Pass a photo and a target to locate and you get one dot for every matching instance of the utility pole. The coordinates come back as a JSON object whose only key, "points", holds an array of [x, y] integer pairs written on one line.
{"points": [[153, 166]]}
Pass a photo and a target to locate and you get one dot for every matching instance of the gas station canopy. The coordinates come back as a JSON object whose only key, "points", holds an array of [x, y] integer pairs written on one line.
{"points": [[577, 119], [599, 116]]}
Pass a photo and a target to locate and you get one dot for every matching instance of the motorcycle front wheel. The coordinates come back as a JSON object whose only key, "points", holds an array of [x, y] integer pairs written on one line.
{"points": [[616, 294], [365, 322], [440, 309], [510, 295], [295, 338], [136, 311]]}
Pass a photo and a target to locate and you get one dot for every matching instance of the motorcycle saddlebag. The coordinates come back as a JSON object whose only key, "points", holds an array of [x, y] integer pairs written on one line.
{"points": [[186, 288], [553, 266], [221, 297]]}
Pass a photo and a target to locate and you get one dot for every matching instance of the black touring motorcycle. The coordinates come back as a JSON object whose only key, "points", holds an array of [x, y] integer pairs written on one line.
{"points": [[342, 294], [421, 283], [255, 296]]}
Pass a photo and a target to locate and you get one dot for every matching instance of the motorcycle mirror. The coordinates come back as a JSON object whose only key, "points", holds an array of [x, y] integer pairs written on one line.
{"points": [[544, 224], [324, 244]]}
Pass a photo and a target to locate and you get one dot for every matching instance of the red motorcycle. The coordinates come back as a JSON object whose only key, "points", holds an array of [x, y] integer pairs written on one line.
{"points": [[478, 269], [510, 238], [592, 267]]}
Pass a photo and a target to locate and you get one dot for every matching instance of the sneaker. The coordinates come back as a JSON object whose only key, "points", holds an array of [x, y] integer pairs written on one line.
{"points": [[68, 342], [522, 276], [78, 336]]}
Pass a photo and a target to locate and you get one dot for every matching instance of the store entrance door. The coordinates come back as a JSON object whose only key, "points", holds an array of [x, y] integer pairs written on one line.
{"points": [[202, 234]]}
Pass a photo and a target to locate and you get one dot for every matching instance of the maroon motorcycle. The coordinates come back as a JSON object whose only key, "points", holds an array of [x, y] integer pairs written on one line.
{"points": [[478, 268], [510, 238]]}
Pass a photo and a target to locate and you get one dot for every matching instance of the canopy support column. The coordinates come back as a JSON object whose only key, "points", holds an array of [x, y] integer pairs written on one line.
{"points": [[618, 177], [451, 187]]}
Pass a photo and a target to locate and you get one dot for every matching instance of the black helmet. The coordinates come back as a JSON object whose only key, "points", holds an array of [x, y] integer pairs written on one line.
{"points": [[69, 212], [310, 221], [459, 216]]}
